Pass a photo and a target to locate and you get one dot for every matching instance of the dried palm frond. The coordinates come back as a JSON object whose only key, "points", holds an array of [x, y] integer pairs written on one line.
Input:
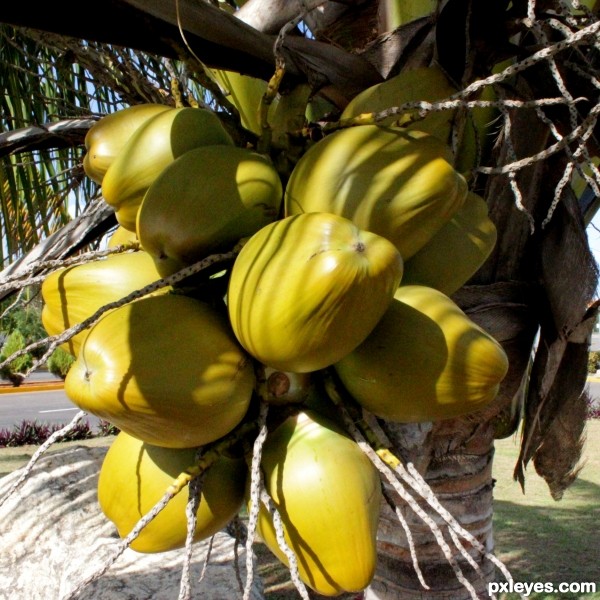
{"points": [[558, 459]]}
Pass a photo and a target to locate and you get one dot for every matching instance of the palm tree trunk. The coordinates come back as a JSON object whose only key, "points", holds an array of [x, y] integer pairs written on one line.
{"points": [[462, 481]]}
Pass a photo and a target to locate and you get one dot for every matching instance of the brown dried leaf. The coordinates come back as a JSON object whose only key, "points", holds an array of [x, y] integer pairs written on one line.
{"points": [[558, 459]]}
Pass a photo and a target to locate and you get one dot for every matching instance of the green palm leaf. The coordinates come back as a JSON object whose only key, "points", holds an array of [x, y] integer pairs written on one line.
{"points": [[45, 80]]}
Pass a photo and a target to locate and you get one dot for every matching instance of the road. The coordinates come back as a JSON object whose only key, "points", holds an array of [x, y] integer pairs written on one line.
{"points": [[594, 387], [42, 406], [54, 406]]}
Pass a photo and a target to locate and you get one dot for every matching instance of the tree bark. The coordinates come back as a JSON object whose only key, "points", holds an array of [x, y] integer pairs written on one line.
{"points": [[463, 483]]}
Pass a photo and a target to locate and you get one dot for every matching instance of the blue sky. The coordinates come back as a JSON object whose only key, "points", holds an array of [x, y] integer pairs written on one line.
{"points": [[593, 232]]}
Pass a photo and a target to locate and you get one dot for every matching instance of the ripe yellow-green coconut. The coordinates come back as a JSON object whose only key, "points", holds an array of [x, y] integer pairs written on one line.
{"points": [[204, 202], [428, 84], [108, 136], [121, 237], [424, 361], [328, 494], [306, 290], [456, 251], [395, 183], [165, 369], [73, 294], [134, 476], [153, 146]]}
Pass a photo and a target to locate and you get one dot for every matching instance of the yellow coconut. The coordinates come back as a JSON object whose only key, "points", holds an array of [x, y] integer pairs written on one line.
{"points": [[165, 369], [456, 251], [398, 184], [205, 202], [73, 294], [328, 494], [134, 476], [153, 146], [422, 84], [106, 138], [309, 288], [424, 361], [121, 237]]}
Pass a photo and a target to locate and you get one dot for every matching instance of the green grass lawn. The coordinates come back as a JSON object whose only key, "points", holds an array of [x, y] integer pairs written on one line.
{"points": [[540, 539]]}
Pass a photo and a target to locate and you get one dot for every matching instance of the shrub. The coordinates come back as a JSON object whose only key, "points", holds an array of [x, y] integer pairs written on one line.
{"points": [[4, 437], [34, 433], [593, 410], [15, 342], [106, 428], [82, 431], [593, 361], [28, 432], [60, 362], [28, 321]]}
